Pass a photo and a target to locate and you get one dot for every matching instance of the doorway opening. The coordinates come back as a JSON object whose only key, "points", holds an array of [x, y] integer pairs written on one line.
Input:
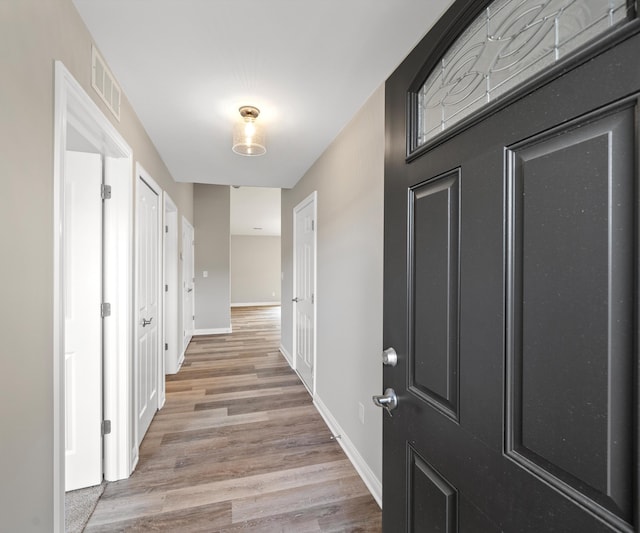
{"points": [[188, 281], [305, 215], [148, 363], [81, 126]]}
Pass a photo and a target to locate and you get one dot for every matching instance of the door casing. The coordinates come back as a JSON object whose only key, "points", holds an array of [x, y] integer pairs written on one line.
{"points": [[72, 105], [170, 283]]}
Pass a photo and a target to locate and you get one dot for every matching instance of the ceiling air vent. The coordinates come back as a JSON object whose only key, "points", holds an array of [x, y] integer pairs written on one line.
{"points": [[104, 83]]}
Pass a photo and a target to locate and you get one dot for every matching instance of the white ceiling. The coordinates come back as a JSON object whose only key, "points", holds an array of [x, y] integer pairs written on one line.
{"points": [[187, 65], [255, 211]]}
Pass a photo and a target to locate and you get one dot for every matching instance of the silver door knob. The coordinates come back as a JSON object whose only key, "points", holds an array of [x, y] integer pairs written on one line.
{"points": [[388, 401], [389, 357], [146, 322]]}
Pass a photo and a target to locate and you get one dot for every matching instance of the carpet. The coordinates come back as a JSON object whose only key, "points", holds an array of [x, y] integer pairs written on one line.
{"points": [[78, 507]]}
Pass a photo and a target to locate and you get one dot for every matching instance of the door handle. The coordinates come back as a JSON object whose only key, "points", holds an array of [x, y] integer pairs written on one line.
{"points": [[388, 401], [389, 357], [146, 322], [296, 299], [189, 289]]}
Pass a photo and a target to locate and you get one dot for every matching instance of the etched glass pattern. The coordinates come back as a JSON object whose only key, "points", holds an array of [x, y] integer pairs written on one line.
{"points": [[508, 43]]}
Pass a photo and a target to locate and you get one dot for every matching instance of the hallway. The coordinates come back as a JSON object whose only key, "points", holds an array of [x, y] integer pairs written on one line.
{"points": [[238, 446]]}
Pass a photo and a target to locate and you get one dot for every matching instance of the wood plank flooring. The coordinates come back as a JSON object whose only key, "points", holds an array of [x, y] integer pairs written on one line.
{"points": [[238, 446]]}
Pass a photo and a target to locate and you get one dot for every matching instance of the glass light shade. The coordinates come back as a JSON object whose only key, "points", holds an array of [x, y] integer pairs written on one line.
{"points": [[248, 138]]}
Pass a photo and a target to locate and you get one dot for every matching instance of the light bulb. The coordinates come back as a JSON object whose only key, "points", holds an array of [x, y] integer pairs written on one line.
{"points": [[249, 129]]}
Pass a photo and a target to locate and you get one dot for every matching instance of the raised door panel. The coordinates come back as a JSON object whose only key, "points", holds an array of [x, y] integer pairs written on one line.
{"points": [[434, 242], [433, 501], [570, 327]]}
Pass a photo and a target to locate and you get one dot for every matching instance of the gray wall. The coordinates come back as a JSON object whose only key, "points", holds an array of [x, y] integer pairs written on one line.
{"points": [[255, 269], [349, 180], [34, 33], [211, 207]]}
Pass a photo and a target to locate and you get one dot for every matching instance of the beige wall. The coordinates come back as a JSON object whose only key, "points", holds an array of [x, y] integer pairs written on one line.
{"points": [[211, 206], [255, 269], [349, 179], [33, 34]]}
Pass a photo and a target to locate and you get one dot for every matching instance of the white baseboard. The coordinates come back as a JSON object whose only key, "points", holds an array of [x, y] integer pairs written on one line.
{"points": [[171, 371], [370, 480], [255, 304], [187, 341], [287, 355], [212, 331], [135, 456]]}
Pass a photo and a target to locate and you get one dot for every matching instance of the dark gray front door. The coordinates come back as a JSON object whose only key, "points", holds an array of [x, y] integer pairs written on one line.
{"points": [[511, 298]]}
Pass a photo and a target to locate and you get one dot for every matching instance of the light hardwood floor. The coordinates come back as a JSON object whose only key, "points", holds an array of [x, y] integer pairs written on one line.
{"points": [[238, 446]]}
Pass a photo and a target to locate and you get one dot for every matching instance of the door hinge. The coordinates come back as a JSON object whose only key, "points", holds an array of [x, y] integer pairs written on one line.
{"points": [[313, 298], [105, 310], [166, 345], [105, 191], [313, 225], [166, 229], [106, 427], [166, 288]]}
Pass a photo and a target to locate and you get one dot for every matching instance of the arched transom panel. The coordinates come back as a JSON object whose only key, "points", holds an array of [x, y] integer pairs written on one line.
{"points": [[508, 43]]}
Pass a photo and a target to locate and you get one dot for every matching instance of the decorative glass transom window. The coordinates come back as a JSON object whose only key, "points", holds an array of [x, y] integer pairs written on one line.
{"points": [[508, 43]]}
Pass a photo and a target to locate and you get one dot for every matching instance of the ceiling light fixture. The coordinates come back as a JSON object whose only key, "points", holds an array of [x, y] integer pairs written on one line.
{"points": [[248, 136]]}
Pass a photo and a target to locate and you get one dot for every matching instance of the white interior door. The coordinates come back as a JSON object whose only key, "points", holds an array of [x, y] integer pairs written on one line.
{"points": [[188, 278], [171, 289], [304, 275], [83, 323], [147, 313]]}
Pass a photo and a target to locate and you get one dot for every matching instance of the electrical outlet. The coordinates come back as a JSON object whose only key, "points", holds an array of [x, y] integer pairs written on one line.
{"points": [[361, 412]]}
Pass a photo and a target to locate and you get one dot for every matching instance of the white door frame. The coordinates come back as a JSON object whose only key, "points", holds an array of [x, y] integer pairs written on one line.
{"points": [[142, 174], [170, 292], [74, 106], [187, 278], [312, 198]]}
